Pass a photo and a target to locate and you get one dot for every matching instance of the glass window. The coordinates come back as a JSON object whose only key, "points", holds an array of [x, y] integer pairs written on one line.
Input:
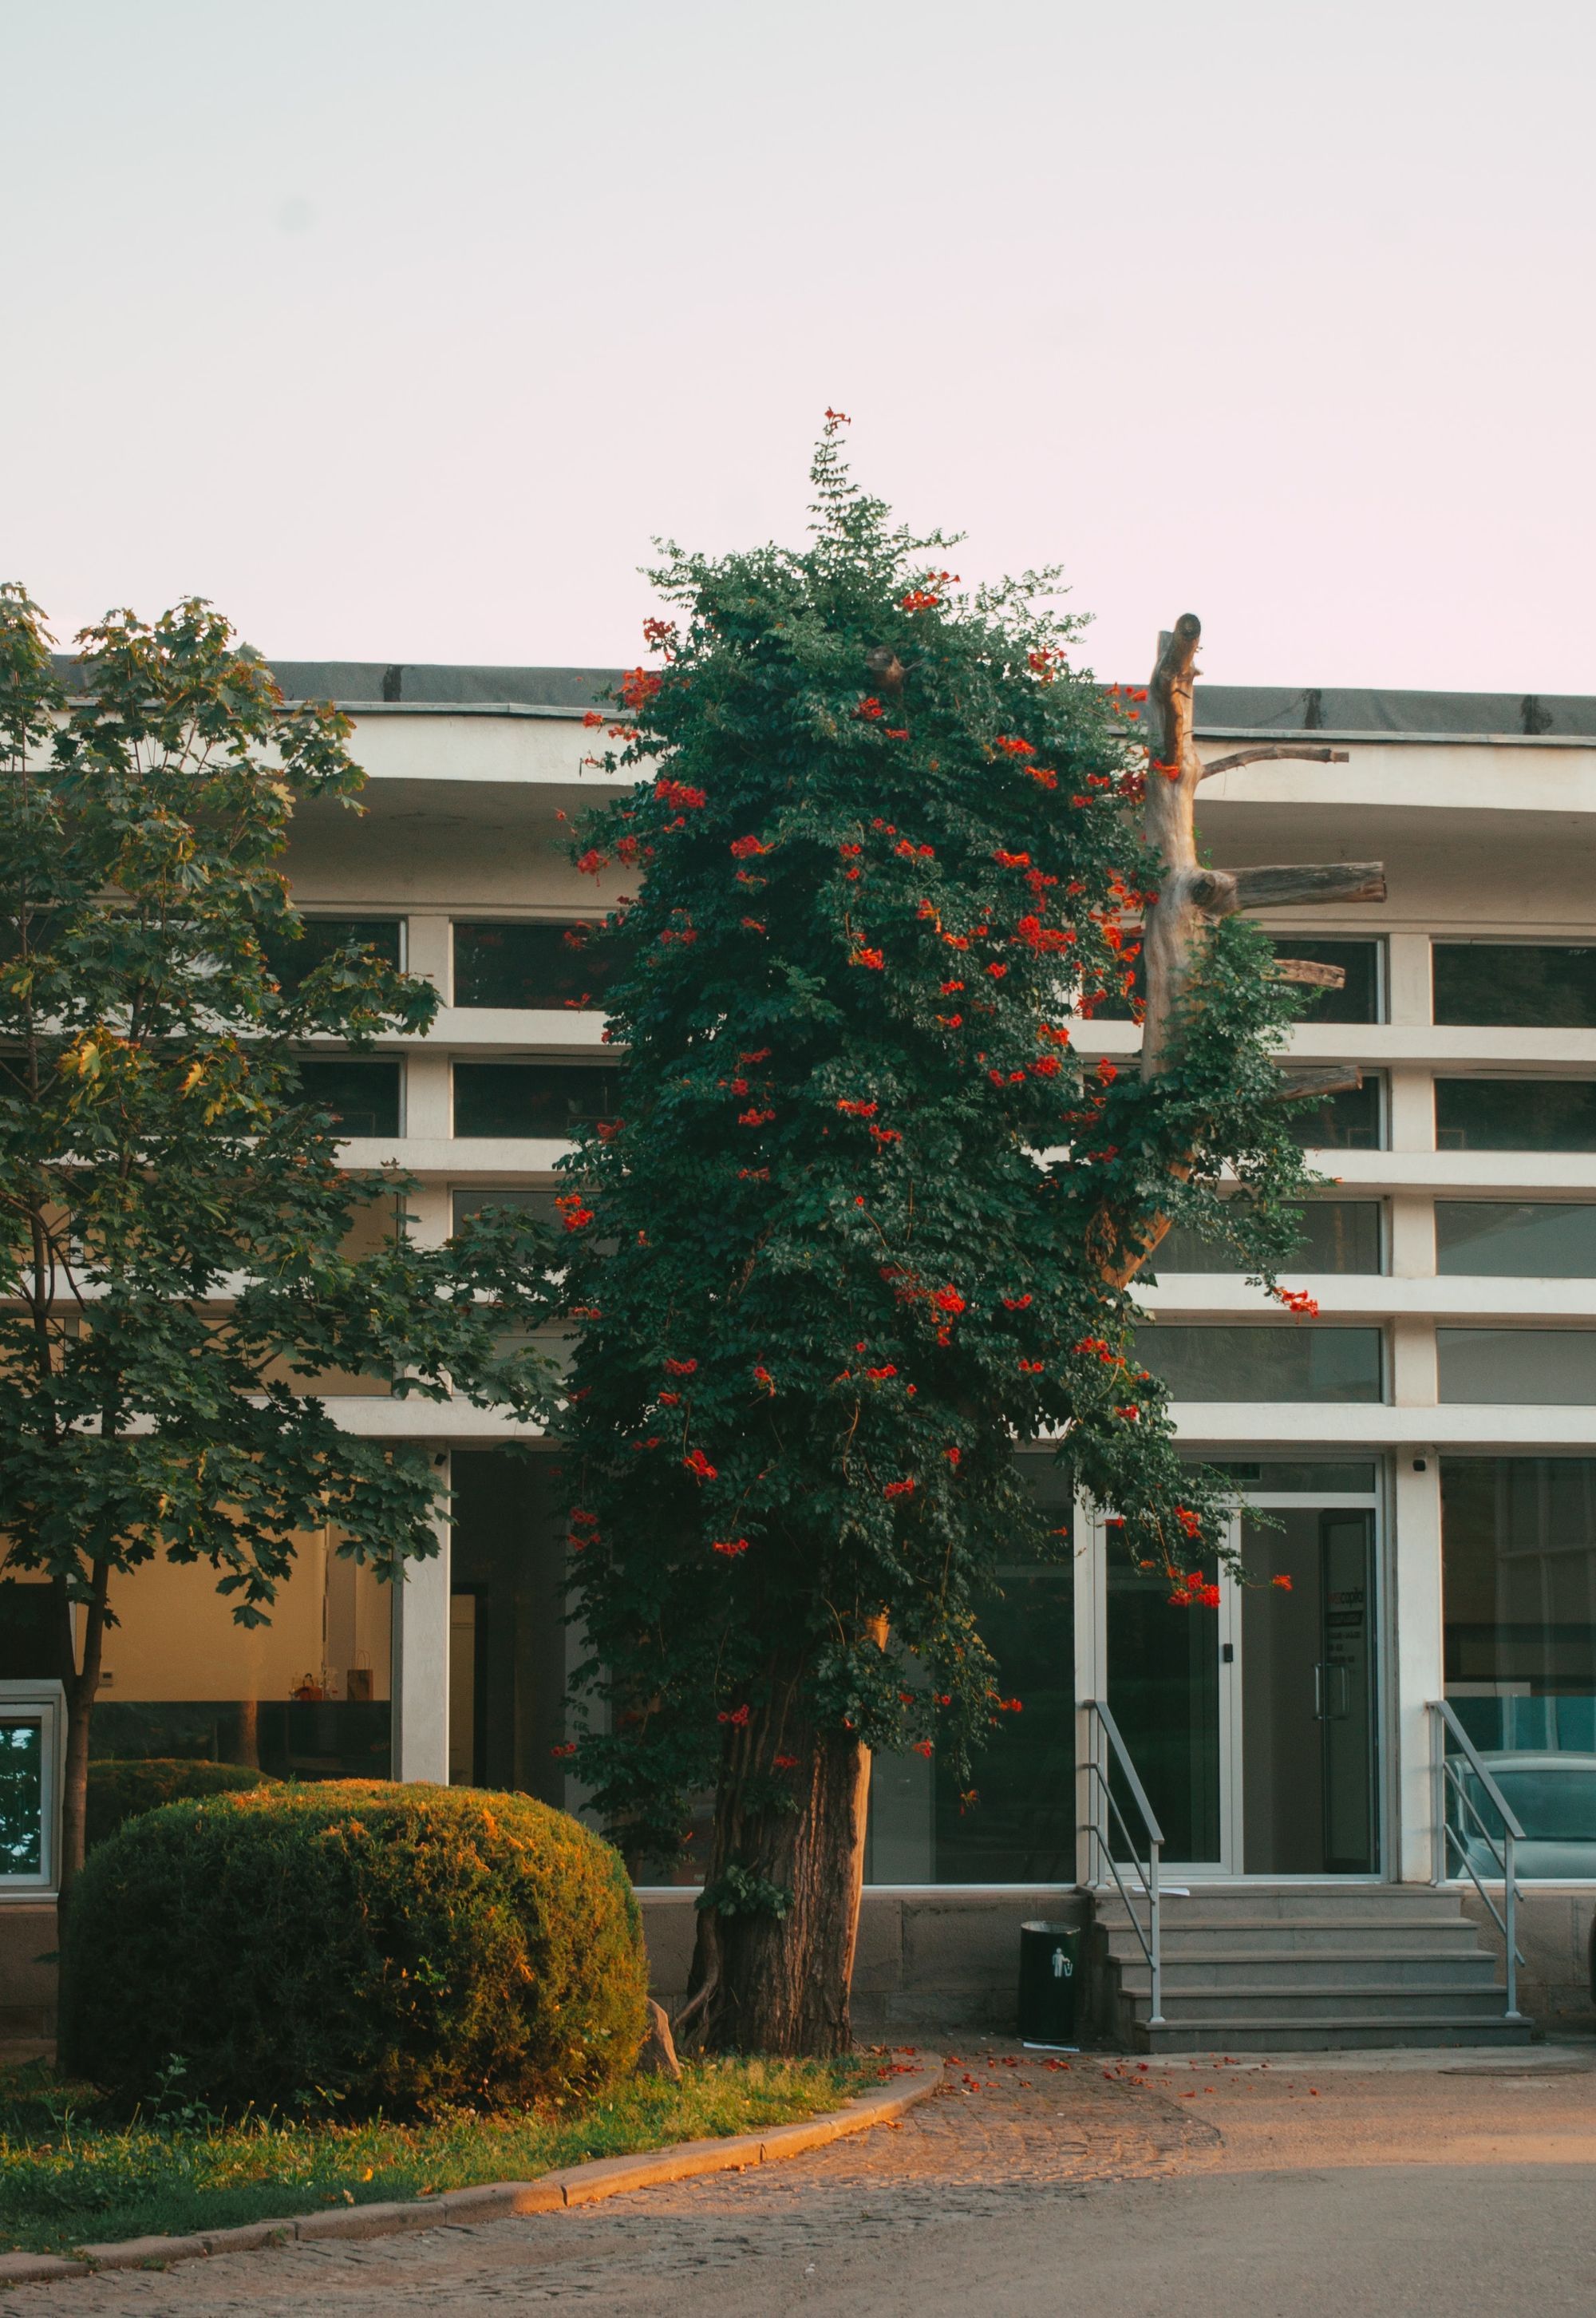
{"points": [[1515, 1114], [305, 1696], [1516, 985], [1517, 1365], [1296, 1362], [31, 1632], [474, 1202], [538, 964], [1014, 1820], [290, 960], [1519, 1576], [1353, 1120], [1361, 997], [21, 1794], [1530, 1239], [361, 1094], [532, 1098], [1328, 1480], [1337, 1236]]}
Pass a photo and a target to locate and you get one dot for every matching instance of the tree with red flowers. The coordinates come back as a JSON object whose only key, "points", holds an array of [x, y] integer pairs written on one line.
{"points": [[867, 1222]]}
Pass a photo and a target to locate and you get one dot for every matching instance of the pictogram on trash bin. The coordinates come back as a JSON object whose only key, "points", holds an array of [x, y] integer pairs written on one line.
{"points": [[1049, 1966]]}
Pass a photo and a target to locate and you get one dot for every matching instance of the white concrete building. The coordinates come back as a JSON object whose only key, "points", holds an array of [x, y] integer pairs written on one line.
{"points": [[1428, 1444]]}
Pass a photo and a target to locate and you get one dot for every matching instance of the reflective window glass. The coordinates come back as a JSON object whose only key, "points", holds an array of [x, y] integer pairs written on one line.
{"points": [[21, 1796], [361, 1094], [1513, 984], [1519, 1577], [1013, 1820], [292, 957], [1515, 1114], [1361, 995], [1515, 1366], [1337, 1236], [1295, 1362], [499, 962], [1532, 1239], [1352, 1120], [547, 1099]]}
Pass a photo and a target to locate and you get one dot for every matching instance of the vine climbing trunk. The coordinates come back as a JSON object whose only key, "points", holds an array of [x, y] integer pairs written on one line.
{"points": [[774, 1962]]}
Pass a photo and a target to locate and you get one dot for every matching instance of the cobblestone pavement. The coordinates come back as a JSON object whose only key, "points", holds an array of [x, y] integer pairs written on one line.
{"points": [[1027, 2187]]}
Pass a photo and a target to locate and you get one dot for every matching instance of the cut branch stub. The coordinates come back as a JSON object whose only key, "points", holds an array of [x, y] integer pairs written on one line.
{"points": [[1319, 1078], [1264, 756], [1277, 888], [1309, 973]]}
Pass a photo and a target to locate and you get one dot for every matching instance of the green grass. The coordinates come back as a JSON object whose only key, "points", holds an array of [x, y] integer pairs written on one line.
{"points": [[72, 2175]]}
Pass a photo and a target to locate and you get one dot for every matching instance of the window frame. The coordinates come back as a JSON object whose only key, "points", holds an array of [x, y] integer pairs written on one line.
{"points": [[47, 1702]]}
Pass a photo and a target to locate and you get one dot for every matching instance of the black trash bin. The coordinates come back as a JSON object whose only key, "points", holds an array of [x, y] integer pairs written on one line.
{"points": [[1049, 1964]]}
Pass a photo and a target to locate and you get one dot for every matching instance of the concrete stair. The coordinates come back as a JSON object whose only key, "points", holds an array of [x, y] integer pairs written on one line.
{"points": [[1300, 1968]]}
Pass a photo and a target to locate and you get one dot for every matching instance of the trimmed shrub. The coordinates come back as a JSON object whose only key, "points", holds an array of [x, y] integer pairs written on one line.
{"points": [[375, 1946], [119, 1790]]}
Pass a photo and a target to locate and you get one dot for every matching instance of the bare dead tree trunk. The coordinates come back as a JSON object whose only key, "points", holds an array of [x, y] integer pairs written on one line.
{"points": [[790, 1810], [1191, 898]]}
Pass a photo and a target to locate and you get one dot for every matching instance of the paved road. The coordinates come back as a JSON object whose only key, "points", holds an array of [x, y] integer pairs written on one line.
{"points": [[1022, 2191]]}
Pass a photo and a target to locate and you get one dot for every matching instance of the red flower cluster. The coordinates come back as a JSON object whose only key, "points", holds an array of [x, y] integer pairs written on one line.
{"points": [[919, 599], [699, 1466], [786, 1761], [896, 732], [764, 1377], [952, 1456], [1016, 1303], [569, 1747], [1013, 747], [947, 1300], [755, 1117], [1195, 1592], [593, 716], [1043, 939], [680, 795], [874, 958], [1297, 1301], [738, 1718], [681, 1368], [922, 1747], [573, 1214], [1282, 1582], [1190, 1521], [1032, 1367], [731, 1547], [870, 709], [898, 1489], [876, 1375], [659, 632], [1040, 773], [913, 852], [637, 688], [744, 847], [1012, 860], [592, 862], [883, 1135], [859, 1109]]}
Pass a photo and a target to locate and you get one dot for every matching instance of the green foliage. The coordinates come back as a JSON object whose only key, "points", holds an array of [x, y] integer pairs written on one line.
{"points": [[174, 1218], [71, 2174], [119, 1790], [371, 1946], [852, 1240]]}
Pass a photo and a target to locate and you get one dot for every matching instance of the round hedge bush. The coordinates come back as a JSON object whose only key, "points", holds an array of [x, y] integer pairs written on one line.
{"points": [[120, 1790], [362, 1943]]}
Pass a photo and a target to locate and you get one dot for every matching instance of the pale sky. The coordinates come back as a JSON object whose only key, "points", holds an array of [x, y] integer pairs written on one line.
{"points": [[397, 328]]}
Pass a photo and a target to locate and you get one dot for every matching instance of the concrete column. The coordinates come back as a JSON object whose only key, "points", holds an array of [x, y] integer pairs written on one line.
{"points": [[427, 1111], [427, 950], [1413, 1108], [421, 1660], [1415, 1630], [1408, 977], [1412, 1235]]}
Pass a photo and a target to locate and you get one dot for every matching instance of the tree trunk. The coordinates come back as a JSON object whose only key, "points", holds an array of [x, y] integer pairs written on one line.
{"points": [[82, 1684], [791, 1829]]}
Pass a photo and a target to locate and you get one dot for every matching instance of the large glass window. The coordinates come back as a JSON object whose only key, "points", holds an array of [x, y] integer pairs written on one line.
{"points": [[291, 958], [1267, 1362], [536, 963], [1516, 985], [548, 1099], [360, 1092], [1014, 1819], [1515, 1366], [1519, 1566], [1353, 1120], [306, 1696], [1337, 1236], [1361, 997], [1515, 1114], [22, 1742], [1521, 1239]]}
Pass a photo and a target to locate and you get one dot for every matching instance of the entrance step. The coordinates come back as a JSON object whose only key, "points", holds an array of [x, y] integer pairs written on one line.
{"points": [[1301, 1969]]}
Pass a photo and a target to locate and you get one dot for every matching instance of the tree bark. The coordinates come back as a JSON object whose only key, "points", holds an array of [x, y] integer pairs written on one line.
{"points": [[779, 1982], [82, 1684]]}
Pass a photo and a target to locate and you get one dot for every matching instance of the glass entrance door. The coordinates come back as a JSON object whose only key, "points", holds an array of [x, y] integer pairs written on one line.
{"points": [[1254, 1725]]}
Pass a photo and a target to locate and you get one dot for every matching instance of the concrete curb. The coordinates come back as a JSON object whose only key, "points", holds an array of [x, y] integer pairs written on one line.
{"points": [[574, 2184]]}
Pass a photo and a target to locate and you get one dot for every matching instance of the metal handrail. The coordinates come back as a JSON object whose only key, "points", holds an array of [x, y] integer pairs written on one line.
{"points": [[1106, 1815], [1447, 1776]]}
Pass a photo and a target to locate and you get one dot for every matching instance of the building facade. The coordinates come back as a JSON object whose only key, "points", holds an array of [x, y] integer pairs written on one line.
{"points": [[1420, 1458]]}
